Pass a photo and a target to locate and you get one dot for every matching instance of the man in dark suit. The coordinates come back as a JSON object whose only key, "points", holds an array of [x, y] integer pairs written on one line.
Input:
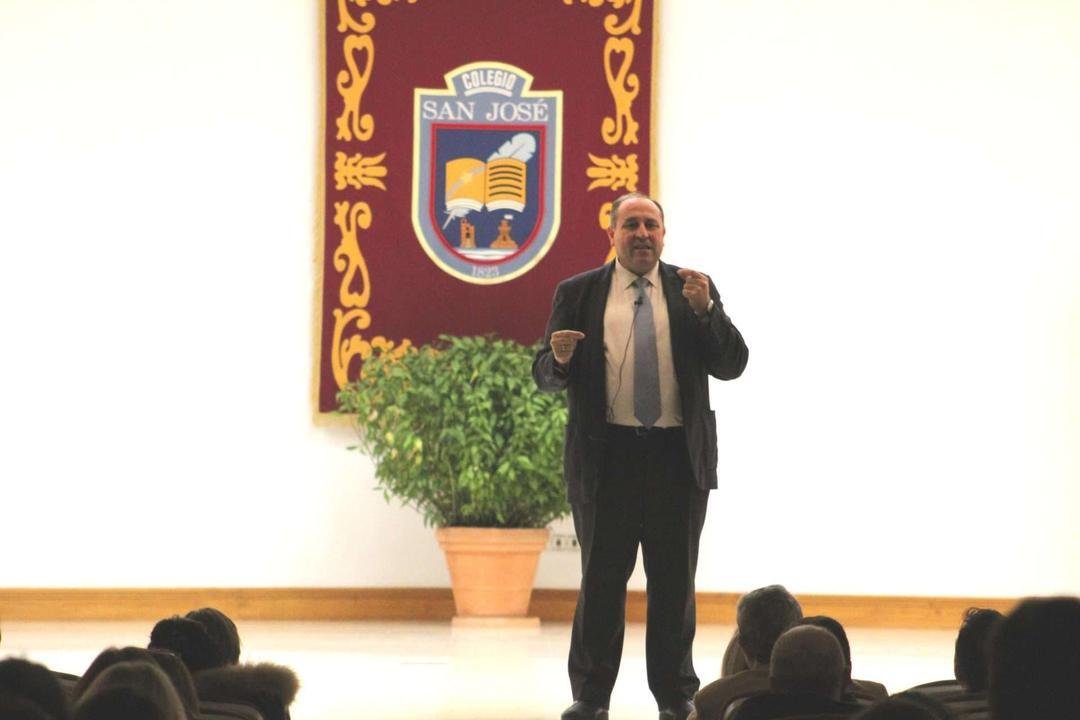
{"points": [[633, 343]]}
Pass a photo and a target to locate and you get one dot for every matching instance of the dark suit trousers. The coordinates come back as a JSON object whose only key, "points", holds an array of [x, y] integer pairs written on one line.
{"points": [[646, 495]]}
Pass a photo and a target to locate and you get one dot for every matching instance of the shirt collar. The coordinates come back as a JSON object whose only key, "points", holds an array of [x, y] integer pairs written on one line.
{"points": [[626, 278]]}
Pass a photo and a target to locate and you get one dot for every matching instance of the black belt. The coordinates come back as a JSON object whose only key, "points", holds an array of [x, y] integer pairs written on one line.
{"points": [[640, 431]]}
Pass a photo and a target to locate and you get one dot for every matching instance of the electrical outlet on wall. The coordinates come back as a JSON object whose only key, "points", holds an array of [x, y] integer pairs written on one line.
{"points": [[563, 542]]}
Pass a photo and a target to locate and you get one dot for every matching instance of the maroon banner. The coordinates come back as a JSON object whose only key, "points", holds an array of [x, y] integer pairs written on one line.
{"points": [[472, 150]]}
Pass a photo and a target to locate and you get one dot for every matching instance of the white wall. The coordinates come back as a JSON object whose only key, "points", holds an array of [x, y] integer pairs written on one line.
{"points": [[886, 194]]}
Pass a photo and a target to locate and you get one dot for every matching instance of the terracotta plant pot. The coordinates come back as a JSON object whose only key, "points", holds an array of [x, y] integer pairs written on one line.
{"points": [[492, 570]]}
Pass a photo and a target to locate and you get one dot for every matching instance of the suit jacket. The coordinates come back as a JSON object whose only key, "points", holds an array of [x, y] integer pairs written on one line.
{"points": [[699, 348], [711, 702], [770, 706]]}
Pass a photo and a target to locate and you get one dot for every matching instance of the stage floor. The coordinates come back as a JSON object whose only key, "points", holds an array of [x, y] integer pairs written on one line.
{"points": [[429, 671]]}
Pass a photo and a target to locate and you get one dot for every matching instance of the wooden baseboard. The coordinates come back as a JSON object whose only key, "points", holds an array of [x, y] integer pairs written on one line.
{"points": [[437, 604], [916, 613], [238, 603]]}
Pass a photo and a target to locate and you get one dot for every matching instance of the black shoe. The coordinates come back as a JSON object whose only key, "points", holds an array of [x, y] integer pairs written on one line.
{"points": [[678, 711], [582, 710]]}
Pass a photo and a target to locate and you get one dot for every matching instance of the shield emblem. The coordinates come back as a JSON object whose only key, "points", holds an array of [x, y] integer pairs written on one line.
{"points": [[487, 162]]}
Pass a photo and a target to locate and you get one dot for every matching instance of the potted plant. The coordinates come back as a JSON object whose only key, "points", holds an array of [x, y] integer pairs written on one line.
{"points": [[458, 430]]}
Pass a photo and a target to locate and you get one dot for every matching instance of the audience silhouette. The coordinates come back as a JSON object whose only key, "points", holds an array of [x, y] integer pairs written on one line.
{"points": [[13, 707], [1035, 661], [970, 661], [189, 640], [207, 641], [1022, 666], [854, 690], [734, 660], [170, 664], [27, 687], [779, 666], [761, 616], [966, 694], [906, 706], [130, 689], [222, 632], [190, 671], [807, 676]]}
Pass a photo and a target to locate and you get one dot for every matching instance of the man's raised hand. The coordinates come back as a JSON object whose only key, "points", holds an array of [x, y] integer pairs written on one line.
{"points": [[695, 289], [563, 343]]}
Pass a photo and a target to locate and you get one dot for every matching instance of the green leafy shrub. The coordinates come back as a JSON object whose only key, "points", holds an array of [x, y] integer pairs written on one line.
{"points": [[459, 431]]}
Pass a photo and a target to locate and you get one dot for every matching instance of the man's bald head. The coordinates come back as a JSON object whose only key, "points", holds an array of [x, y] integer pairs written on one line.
{"points": [[808, 660]]}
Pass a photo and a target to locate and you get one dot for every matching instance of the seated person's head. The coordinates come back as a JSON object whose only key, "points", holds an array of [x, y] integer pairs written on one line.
{"points": [[29, 682], [734, 658], [13, 707], [1035, 661], [130, 690], [169, 663], [222, 631], [906, 706], [189, 640], [807, 660], [837, 630], [177, 672], [762, 615], [104, 660], [970, 657]]}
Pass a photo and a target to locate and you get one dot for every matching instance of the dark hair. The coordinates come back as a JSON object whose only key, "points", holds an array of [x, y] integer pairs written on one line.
{"points": [[762, 616], [189, 640], [130, 690], [14, 707], [222, 631], [617, 202], [119, 702], [35, 683], [104, 660], [906, 706], [970, 664], [1035, 661], [178, 674], [170, 664]]}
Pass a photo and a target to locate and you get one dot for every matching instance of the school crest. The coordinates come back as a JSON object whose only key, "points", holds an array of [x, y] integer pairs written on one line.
{"points": [[487, 165]]}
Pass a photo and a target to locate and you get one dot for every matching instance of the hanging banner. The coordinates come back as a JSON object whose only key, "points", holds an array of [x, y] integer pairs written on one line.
{"points": [[471, 152]]}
